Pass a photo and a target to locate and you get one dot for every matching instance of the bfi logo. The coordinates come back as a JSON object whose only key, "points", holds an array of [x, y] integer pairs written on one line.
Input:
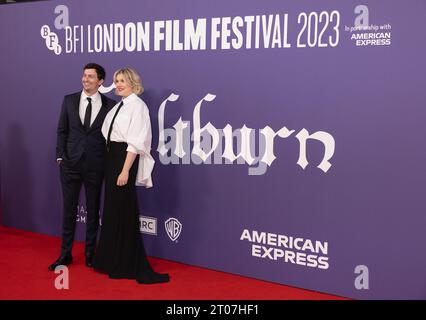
{"points": [[148, 225], [51, 39]]}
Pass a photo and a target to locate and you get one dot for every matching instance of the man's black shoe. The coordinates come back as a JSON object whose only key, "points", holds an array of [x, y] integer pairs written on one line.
{"points": [[62, 260], [89, 261]]}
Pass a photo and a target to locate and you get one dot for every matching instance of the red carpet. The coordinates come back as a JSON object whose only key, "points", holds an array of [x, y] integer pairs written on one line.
{"points": [[25, 256]]}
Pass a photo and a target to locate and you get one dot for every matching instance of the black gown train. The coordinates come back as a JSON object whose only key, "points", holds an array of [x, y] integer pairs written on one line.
{"points": [[120, 252]]}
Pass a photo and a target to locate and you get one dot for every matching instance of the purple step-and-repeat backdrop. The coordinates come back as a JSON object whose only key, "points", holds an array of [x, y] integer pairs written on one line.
{"points": [[289, 136]]}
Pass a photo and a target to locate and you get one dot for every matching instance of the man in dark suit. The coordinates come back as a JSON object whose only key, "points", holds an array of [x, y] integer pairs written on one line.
{"points": [[80, 152]]}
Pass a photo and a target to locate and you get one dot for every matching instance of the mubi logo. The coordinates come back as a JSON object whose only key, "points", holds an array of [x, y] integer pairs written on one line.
{"points": [[173, 228]]}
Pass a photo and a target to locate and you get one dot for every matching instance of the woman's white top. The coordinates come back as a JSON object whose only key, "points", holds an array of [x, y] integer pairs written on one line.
{"points": [[133, 126]]}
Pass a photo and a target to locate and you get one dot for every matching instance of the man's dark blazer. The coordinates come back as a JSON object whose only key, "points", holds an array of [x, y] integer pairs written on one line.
{"points": [[73, 141]]}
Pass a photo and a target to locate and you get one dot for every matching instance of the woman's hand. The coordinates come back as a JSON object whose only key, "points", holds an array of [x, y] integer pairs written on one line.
{"points": [[122, 178]]}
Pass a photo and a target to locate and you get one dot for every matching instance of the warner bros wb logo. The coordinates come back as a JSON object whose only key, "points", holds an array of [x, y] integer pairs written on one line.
{"points": [[173, 228]]}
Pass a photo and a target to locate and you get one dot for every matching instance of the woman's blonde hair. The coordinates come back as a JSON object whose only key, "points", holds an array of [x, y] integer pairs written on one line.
{"points": [[132, 77]]}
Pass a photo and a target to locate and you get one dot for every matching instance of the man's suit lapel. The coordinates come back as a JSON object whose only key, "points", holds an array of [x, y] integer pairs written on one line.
{"points": [[76, 108]]}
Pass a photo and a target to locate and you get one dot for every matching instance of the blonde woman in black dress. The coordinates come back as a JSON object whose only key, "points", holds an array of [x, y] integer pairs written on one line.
{"points": [[127, 129]]}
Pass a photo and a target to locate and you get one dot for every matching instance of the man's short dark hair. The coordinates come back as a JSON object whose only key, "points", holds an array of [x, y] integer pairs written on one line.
{"points": [[100, 71]]}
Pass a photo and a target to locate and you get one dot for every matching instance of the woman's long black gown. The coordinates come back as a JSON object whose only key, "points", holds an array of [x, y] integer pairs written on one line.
{"points": [[120, 252]]}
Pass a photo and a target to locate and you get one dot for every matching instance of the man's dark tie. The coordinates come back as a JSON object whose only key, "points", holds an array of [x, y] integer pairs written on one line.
{"points": [[88, 114], [110, 126]]}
